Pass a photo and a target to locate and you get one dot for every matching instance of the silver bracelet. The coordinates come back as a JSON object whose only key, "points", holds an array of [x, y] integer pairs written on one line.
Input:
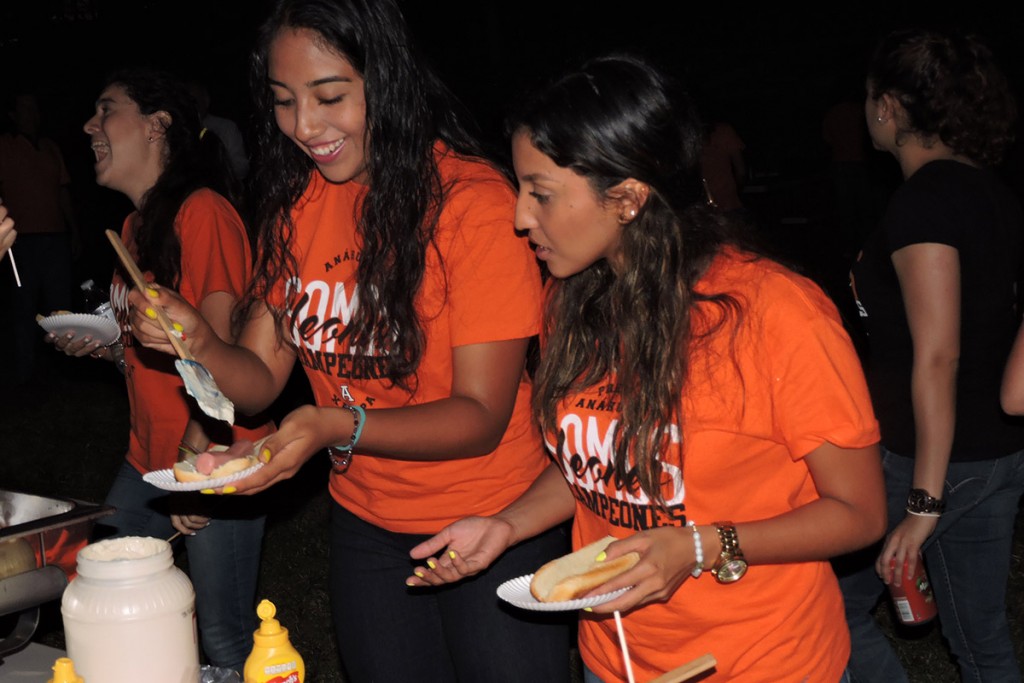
{"points": [[698, 551], [924, 514]]}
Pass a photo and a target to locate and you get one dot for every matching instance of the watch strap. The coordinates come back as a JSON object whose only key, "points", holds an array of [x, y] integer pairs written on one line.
{"points": [[920, 502]]}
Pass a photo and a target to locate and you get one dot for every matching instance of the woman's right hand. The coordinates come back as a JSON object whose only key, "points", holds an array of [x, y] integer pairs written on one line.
{"points": [[147, 329], [7, 231], [76, 346], [902, 548]]}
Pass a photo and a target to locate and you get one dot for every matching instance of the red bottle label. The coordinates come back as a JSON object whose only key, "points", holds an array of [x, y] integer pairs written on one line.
{"points": [[293, 677], [914, 601]]}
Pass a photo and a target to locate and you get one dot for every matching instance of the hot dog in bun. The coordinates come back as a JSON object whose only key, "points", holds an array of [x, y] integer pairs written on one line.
{"points": [[218, 461], [576, 574]]}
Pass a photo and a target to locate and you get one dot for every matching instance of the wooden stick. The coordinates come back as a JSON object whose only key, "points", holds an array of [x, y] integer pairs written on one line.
{"points": [[14, 266], [140, 282], [622, 644], [687, 671]]}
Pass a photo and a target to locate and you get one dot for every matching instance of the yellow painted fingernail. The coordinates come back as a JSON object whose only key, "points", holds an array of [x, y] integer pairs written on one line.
{"points": [[178, 327], [430, 563], [265, 455], [152, 293], [410, 584], [601, 557], [151, 313], [229, 489], [418, 573], [588, 609], [207, 491], [451, 554]]}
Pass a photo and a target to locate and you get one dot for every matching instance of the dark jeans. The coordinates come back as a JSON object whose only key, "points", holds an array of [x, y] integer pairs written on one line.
{"points": [[223, 558], [388, 631], [968, 562]]}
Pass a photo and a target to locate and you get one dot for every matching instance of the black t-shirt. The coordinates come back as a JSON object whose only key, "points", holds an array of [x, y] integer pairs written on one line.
{"points": [[967, 208]]}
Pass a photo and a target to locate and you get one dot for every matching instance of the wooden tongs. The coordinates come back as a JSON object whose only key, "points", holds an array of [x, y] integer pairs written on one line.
{"points": [[199, 383]]}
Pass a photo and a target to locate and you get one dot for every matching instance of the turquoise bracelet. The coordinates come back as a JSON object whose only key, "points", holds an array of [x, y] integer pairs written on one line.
{"points": [[341, 454]]}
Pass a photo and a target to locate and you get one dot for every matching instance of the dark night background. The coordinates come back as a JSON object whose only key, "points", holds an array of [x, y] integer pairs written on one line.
{"points": [[771, 69]]}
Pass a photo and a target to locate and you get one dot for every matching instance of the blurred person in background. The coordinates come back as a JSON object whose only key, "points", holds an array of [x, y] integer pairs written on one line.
{"points": [[936, 287], [34, 187]]}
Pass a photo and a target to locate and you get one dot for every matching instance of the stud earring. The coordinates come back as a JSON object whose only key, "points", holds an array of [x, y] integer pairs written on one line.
{"points": [[881, 120]]}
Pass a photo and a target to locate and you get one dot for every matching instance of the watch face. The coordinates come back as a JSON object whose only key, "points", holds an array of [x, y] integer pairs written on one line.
{"points": [[732, 570]]}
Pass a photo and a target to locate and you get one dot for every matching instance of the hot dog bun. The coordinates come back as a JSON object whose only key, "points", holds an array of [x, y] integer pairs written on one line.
{"points": [[576, 574], [227, 460]]}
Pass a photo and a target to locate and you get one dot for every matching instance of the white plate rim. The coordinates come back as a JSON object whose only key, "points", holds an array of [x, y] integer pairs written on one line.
{"points": [[517, 592], [84, 323], [164, 479]]}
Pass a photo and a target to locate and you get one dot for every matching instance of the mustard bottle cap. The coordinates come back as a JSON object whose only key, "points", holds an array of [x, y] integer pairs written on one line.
{"points": [[270, 633], [64, 672]]}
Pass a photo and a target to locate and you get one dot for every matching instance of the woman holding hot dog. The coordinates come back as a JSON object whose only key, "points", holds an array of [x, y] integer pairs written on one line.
{"points": [[702, 403]]}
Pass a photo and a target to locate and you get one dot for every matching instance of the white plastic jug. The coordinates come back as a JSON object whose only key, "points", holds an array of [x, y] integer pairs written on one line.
{"points": [[129, 615]]}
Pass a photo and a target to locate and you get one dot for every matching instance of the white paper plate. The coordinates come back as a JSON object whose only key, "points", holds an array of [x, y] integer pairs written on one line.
{"points": [[517, 592], [102, 329], [164, 479]]}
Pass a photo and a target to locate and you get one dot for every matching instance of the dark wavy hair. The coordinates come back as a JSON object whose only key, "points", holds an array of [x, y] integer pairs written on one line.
{"points": [[408, 109], [619, 117], [191, 161], [951, 89]]}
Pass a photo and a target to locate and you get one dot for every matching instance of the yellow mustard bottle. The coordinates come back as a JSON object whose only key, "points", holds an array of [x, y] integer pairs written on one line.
{"points": [[273, 659], [64, 672]]}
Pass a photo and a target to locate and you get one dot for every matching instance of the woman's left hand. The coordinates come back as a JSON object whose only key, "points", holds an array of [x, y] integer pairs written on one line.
{"points": [[666, 560], [463, 548], [903, 547], [303, 433], [189, 524]]}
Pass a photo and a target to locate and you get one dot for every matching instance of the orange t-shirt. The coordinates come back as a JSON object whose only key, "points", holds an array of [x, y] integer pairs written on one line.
{"points": [[30, 184], [489, 290], [744, 444], [215, 257]]}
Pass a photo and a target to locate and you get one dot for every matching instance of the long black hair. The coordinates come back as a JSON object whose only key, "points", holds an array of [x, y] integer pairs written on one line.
{"points": [[614, 118], [192, 160], [408, 110]]}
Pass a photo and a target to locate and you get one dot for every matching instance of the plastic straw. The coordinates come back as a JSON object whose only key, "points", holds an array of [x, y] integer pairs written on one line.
{"points": [[14, 266], [622, 644]]}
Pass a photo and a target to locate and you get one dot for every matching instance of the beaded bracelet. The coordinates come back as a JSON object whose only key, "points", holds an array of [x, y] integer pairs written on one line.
{"points": [[341, 455], [698, 551]]}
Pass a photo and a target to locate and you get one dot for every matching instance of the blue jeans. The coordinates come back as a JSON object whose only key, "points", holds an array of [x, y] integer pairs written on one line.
{"points": [[968, 562], [388, 631], [223, 558]]}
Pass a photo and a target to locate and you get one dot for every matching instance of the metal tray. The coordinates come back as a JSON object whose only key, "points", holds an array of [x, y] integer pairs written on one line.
{"points": [[52, 529]]}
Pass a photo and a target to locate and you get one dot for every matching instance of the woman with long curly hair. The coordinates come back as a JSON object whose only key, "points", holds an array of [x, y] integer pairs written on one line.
{"points": [[937, 285], [149, 145], [703, 402], [388, 267]]}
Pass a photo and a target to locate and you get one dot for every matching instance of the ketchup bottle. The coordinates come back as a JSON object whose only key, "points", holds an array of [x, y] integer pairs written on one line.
{"points": [[914, 601]]}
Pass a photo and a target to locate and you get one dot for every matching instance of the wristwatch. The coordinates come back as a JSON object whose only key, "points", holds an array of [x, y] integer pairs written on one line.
{"points": [[731, 565], [920, 502]]}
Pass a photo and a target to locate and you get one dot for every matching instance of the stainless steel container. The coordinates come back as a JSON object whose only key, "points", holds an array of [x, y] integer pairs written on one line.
{"points": [[51, 529]]}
